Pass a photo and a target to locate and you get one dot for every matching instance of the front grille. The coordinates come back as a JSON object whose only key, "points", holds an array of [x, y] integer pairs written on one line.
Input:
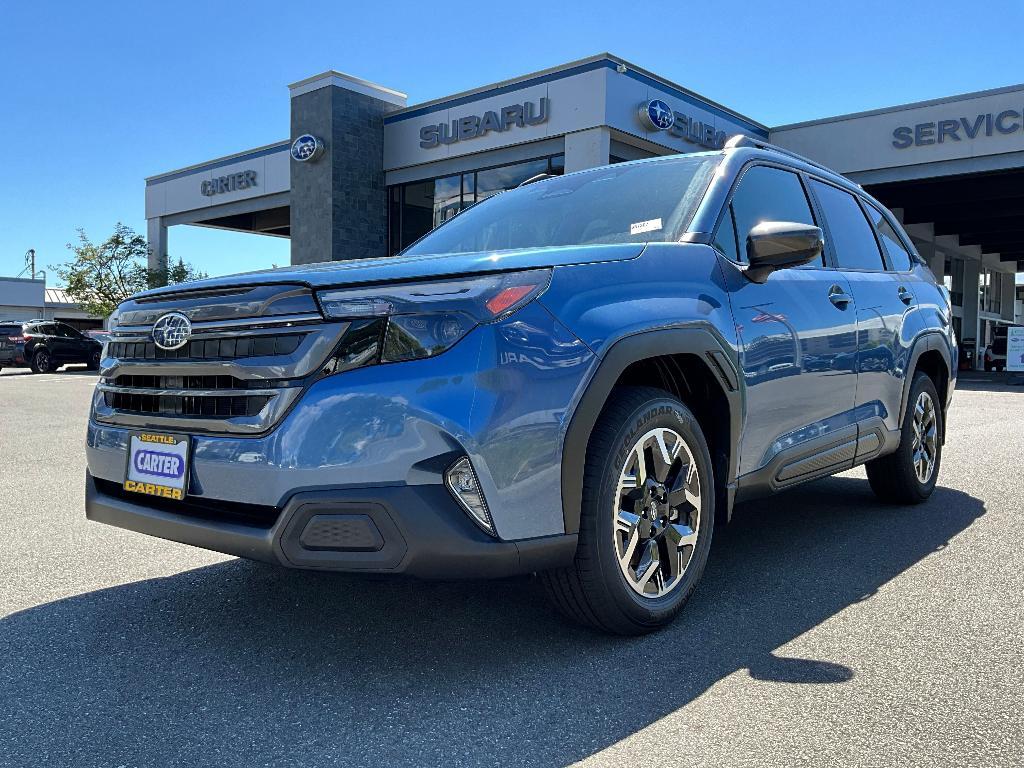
{"points": [[251, 352], [255, 515], [136, 381], [209, 349], [195, 406]]}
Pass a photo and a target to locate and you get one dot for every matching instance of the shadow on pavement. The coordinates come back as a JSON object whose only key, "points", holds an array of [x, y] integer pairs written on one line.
{"points": [[244, 664], [990, 382]]}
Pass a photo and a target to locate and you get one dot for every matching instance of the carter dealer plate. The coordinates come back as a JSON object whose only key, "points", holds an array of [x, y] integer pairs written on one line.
{"points": [[157, 465]]}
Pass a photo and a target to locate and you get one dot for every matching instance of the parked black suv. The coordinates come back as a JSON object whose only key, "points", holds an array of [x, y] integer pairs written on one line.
{"points": [[45, 345]]}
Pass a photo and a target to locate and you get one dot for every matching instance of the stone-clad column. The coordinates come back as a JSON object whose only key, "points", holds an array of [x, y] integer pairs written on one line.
{"points": [[338, 199]]}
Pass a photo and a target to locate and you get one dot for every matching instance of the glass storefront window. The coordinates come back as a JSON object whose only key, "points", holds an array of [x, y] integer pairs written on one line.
{"points": [[447, 198], [414, 209], [417, 210], [495, 180]]}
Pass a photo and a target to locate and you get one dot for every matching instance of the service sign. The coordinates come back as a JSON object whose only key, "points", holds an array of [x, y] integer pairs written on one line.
{"points": [[1015, 349], [157, 465]]}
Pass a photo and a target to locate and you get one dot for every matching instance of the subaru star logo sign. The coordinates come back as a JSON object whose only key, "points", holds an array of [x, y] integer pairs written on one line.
{"points": [[657, 114], [306, 148], [172, 331]]}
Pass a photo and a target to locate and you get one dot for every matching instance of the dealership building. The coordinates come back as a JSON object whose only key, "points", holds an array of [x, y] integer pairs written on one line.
{"points": [[363, 174]]}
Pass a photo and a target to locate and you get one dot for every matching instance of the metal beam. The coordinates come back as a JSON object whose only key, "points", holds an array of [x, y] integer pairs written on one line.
{"points": [[949, 190], [960, 210]]}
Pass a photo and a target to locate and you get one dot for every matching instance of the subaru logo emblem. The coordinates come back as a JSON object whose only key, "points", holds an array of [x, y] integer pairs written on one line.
{"points": [[172, 331], [657, 114], [307, 147]]}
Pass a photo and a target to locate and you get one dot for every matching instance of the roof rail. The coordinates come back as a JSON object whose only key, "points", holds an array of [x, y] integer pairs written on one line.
{"points": [[535, 179], [742, 140]]}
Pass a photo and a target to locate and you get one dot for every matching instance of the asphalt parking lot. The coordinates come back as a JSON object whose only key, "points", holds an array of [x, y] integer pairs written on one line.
{"points": [[828, 630]]}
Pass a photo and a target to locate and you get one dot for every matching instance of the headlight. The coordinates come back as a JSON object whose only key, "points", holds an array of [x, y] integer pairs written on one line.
{"points": [[409, 321]]}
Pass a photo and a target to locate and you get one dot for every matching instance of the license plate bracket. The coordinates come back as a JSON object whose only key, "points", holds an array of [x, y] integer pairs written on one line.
{"points": [[157, 464]]}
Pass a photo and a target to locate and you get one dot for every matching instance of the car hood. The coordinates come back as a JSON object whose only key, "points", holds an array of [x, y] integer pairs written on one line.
{"points": [[396, 268]]}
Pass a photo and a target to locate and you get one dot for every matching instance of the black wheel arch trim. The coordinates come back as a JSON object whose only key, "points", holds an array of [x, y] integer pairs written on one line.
{"points": [[700, 339], [928, 341]]}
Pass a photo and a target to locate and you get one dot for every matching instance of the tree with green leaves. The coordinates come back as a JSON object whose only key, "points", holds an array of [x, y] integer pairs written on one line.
{"points": [[102, 275]]}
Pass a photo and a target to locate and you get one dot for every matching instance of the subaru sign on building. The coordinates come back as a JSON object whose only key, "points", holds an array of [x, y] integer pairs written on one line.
{"points": [[306, 148]]}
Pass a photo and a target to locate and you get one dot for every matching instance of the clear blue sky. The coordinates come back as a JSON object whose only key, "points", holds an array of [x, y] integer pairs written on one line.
{"points": [[94, 97]]}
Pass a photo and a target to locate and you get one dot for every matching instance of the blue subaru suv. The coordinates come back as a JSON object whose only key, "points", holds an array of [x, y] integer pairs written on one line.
{"points": [[579, 377]]}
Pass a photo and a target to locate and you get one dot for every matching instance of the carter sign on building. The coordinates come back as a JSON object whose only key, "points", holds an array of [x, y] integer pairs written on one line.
{"points": [[232, 183]]}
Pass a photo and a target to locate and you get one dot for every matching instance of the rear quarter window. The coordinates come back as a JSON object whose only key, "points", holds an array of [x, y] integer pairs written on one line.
{"points": [[899, 256]]}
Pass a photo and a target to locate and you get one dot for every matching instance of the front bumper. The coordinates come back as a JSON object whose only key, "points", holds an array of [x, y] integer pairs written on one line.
{"points": [[502, 396], [413, 530]]}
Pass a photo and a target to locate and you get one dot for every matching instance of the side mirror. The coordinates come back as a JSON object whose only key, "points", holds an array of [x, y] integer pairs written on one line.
{"points": [[773, 245]]}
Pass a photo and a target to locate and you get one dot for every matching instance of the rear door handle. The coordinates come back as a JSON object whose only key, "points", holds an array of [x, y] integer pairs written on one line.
{"points": [[839, 297], [905, 296]]}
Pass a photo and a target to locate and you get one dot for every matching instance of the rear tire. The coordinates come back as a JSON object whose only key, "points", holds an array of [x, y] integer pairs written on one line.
{"points": [[42, 362], [908, 475], [646, 519]]}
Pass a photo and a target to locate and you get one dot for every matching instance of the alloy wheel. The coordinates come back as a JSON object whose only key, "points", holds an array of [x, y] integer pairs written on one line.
{"points": [[925, 445], [657, 513]]}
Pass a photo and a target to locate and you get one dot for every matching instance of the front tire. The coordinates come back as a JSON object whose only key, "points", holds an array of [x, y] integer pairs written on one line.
{"points": [[94, 361], [646, 519], [908, 475], [41, 362]]}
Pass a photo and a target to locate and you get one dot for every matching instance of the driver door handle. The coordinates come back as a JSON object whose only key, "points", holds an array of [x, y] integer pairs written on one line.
{"points": [[839, 297]]}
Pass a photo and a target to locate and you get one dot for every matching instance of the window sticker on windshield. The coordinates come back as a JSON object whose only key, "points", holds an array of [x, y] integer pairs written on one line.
{"points": [[651, 225]]}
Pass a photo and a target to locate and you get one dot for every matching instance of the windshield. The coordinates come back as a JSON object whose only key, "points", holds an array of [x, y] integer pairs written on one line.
{"points": [[630, 203]]}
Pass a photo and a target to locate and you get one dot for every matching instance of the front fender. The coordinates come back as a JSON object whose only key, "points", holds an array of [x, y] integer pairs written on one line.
{"points": [[699, 339]]}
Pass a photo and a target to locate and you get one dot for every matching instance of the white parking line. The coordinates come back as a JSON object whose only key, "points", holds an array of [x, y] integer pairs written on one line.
{"points": [[47, 377]]}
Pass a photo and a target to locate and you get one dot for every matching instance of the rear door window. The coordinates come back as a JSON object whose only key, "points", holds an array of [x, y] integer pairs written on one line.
{"points": [[899, 256], [65, 330], [852, 237], [768, 194]]}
